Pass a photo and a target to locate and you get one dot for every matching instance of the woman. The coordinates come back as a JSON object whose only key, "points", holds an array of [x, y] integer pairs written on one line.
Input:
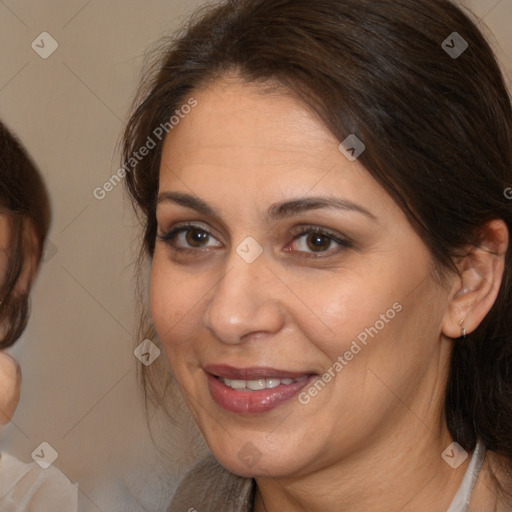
{"points": [[330, 259], [24, 224]]}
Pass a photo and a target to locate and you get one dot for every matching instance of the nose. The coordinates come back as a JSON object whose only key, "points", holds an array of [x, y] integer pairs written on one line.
{"points": [[245, 302]]}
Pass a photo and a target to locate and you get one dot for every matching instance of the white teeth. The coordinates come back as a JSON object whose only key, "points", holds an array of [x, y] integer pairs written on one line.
{"points": [[272, 383], [256, 385], [237, 384]]}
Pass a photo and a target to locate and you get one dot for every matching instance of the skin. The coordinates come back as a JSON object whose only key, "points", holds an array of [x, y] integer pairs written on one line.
{"points": [[10, 384], [372, 438]]}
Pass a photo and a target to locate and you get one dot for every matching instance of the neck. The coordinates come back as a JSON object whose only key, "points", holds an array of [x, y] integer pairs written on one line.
{"points": [[404, 473]]}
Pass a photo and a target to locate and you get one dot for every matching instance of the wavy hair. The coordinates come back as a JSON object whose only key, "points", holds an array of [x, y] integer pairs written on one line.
{"points": [[24, 203]]}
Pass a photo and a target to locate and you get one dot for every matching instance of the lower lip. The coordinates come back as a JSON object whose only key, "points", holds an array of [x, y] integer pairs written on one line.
{"points": [[253, 402]]}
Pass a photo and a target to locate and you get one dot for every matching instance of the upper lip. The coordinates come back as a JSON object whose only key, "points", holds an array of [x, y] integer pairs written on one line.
{"points": [[252, 373]]}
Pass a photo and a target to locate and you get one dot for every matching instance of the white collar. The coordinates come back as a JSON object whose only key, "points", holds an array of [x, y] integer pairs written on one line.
{"points": [[461, 499]]}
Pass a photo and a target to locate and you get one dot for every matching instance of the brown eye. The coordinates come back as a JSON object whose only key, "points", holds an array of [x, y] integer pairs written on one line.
{"points": [[317, 240], [196, 237], [189, 237]]}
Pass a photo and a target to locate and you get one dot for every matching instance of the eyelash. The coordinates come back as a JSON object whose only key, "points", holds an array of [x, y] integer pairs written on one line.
{"points": [[169, 239]]}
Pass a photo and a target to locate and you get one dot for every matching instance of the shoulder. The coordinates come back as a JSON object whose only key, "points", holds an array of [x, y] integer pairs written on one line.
{"points": [[207, 486], [42, 489]]}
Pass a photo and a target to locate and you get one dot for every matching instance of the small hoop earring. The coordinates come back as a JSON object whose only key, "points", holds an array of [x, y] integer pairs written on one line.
{"points": [[463, 332]]}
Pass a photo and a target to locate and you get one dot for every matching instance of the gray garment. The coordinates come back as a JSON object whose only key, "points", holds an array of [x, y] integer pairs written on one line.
{"points": [[208, 487]]}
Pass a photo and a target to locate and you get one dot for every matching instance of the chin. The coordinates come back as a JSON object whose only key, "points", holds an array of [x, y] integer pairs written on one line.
{"points": [[243, 458]]}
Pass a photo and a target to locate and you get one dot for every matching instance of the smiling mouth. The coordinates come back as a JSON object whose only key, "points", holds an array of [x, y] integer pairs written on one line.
{"points": [[259, 384], [254, 390]]}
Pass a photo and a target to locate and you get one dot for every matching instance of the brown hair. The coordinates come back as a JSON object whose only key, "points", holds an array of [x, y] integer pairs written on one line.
{"points": [[437, 129], [24, 202]]}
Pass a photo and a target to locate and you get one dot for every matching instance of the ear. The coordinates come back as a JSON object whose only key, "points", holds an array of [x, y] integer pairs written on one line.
{"points": [[481, 272]]}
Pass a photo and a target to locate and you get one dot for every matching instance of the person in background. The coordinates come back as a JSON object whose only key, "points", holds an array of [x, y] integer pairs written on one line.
{"points": [[25, 217]]}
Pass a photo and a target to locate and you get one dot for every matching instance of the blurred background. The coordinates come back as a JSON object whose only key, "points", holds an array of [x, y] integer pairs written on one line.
{"points": [[67, 98]]}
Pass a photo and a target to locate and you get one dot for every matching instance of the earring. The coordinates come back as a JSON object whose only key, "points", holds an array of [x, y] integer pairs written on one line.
{"points": [[463, 332]]}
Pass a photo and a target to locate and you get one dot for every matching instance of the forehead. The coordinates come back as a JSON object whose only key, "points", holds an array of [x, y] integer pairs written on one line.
{"points": [[250, 146], [236, 119]]}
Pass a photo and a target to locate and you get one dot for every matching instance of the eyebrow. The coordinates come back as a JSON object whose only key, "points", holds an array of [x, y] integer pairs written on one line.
{"points": [[276, 211]]}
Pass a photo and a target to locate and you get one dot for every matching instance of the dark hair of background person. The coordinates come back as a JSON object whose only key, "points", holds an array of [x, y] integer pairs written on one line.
{"points": [[437, 130], [24, 201]]}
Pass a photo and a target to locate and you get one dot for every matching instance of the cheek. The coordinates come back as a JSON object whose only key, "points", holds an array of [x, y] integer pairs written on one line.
{"points": [[344, 309], [377, 319], [174, 300], [164, 305]]}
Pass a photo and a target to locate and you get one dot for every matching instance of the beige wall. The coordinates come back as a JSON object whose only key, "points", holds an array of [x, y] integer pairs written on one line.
{"points": [[79, 389]]}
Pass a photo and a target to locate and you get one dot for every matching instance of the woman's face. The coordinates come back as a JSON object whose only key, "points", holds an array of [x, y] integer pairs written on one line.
{"points": [[300, 279]]}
